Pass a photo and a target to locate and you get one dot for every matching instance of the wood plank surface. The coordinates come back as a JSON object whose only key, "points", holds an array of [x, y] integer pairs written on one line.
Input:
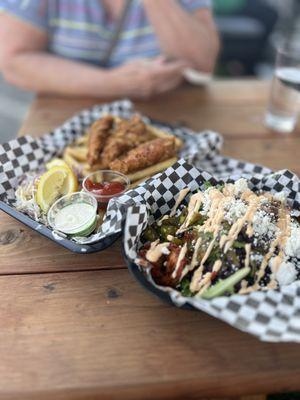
{"points": [[24, 251], [100, 335], [276, 153], [233, 108], [79, 327]]}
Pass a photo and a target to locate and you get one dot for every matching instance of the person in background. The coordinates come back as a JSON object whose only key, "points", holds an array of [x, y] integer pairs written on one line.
{"points": [[72, 48]]}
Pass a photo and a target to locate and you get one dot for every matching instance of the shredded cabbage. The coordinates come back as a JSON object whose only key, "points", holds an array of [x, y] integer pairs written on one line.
{"points": [[25, 197]]}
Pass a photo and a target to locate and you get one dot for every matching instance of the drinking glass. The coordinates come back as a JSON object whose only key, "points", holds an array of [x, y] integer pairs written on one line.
{"points": [[284, 103]]}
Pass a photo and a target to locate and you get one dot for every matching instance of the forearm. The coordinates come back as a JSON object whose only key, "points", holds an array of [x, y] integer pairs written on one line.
{"points": [[182, 35], [46, 73]]}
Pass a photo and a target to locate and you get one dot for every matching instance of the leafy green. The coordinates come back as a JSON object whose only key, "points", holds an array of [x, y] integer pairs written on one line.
{"points": [[215, 255], [150, 234], [174, 221], [197, 219], [166, 230], [183, 216], [177, 241], [207, 185], [238, 245], [185, 287], [232, 257], [207, 236]]}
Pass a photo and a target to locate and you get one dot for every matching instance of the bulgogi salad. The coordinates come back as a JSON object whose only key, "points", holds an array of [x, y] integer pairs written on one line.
{"points": [[228, 239]]}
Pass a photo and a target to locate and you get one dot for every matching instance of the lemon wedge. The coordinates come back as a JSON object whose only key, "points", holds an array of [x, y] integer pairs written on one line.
{"points": [[56, 182], [56, 162]]}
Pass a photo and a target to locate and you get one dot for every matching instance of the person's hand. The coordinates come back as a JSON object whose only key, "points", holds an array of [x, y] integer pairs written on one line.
{"points": [[142, 79]]}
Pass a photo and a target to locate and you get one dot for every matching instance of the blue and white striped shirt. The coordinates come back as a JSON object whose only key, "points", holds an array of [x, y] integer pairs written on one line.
{"points": [[80, 30]]}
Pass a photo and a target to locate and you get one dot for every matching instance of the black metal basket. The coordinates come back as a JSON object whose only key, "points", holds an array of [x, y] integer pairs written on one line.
{"points": [[67, 243]]}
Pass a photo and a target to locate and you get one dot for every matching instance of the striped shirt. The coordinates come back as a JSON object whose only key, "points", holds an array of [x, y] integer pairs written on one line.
{"points": [[80, 29]]}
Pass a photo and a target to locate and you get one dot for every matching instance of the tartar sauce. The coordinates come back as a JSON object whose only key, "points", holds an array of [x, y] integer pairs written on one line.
{"points": [[73, 217]]}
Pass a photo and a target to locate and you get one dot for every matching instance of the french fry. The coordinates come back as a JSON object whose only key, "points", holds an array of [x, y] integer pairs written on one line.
{"points": [[136, 183], [76, 156], [87, 169], [78, 152], [71, 161], [154, 169], [158, 133], [83, 140]]}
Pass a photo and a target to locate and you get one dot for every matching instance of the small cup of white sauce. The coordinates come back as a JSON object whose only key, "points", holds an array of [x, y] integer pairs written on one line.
{"points": [[74, 214]]}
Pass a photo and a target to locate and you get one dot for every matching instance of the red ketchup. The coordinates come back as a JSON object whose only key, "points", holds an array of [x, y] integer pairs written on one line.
{"points": [[109, 189]]}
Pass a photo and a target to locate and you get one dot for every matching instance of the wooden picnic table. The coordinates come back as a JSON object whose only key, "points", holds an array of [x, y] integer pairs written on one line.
{"points": [[80, 327]]}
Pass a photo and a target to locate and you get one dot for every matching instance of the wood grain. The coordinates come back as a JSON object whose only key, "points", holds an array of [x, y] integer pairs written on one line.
{"points": [[100, 335], [24, 251], [79, 327], [276, 153], [233, 108]]}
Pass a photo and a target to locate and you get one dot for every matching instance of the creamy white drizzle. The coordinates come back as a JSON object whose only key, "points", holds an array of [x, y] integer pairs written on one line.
{"points": [[179, 260], [248, 250], [194, 261], [284, 222], [193, 207], [156, 251], [179, 200]]}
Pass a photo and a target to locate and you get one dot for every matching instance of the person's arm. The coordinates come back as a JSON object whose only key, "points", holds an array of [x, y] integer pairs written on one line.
{"points": [[182, 35], [25, 62]]}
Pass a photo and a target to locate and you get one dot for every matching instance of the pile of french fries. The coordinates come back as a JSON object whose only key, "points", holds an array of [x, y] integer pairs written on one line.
{"points": [[75, 156]]}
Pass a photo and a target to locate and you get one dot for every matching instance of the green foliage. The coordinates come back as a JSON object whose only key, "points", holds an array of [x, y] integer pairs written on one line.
{"points": [[185, 287]]}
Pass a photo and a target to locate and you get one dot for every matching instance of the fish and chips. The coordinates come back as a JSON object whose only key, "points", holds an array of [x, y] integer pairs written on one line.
{"points": [[131, 147]]}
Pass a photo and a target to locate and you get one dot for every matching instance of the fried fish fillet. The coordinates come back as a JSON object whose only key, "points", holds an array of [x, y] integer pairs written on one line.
{"points": [[127, 135], [99, 133], [114, 148], [145, 155], [134, 127]]}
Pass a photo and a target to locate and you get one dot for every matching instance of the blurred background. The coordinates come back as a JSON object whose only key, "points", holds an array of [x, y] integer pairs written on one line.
{"points": [[250, 31]]}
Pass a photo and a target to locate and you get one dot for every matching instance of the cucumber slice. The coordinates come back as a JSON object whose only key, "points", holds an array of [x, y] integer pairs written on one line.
{"points": [[87, 229], [225, 285]]}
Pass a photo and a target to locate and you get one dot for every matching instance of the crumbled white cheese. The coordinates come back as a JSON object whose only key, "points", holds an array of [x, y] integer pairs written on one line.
{"points": [[263, 200], [286, 274], [235, 209], [263, 225], [292, 246], [240, 186], [257, 258], [206, 203]]}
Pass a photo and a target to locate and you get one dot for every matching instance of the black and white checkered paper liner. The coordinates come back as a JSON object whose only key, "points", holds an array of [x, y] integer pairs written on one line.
{"points": [[25, 154], [272, 315]]}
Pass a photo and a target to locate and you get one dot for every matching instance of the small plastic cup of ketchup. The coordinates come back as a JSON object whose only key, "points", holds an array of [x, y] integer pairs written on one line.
{"points": [[104, 185]]}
